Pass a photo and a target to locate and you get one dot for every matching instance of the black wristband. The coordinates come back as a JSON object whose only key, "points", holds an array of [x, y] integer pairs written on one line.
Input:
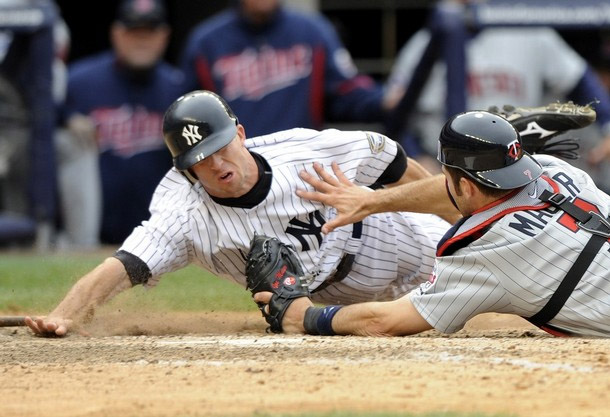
{"points": [[310, 321], [318, 321]]}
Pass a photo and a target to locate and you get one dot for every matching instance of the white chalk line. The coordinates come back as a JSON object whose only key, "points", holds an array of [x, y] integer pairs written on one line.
{"points": [[294, 342]]}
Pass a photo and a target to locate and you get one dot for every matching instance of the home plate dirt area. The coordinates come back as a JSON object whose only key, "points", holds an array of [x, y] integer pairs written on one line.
{"points": [[219, 364]]}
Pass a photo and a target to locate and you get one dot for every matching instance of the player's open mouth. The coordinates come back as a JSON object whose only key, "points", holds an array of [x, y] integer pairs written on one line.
{"points": [[226, 177]]}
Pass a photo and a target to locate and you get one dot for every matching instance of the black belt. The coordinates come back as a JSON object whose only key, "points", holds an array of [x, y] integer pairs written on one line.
{"points": [[599, 228], [345, 264]]}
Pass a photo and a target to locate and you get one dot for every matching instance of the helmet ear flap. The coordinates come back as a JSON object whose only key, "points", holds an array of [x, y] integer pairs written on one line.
{"points": [[189, 175]]}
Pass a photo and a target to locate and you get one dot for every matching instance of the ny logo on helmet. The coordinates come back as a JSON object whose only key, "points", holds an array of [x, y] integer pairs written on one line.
{"points": [[191, 134], [514, 149]]}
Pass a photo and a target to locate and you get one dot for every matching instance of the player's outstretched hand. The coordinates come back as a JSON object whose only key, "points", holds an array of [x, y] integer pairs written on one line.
{"points": [[48, 326], [336, 191], [292, 322]]}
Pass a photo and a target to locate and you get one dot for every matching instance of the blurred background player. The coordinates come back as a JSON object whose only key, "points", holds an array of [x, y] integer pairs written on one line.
{"points": [[524, 66], [27, 122], [278, 68], [114, 109]]}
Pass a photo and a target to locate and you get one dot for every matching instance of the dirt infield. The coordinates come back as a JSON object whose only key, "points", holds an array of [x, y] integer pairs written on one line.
{"points": [[217, 364]]}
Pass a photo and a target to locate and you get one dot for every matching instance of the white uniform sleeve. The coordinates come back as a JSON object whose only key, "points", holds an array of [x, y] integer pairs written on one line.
{"points": [[162, 242], [460, 289]]}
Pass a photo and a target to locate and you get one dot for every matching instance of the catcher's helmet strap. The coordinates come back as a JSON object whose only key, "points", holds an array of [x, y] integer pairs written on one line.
{"points": [[599, 228]]}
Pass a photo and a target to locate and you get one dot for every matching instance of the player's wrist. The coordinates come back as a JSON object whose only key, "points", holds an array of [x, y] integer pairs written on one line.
{"points": [[318, 320]]}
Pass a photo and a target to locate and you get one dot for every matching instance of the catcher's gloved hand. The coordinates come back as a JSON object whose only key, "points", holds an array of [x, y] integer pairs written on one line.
{"points": [[537, 125], [274, 266]]}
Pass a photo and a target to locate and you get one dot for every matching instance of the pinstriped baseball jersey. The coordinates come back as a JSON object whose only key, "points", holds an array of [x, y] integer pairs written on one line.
{"points": [[525, 249], [394, 254]]}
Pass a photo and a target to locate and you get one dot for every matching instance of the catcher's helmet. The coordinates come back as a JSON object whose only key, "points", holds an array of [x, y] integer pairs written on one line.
{"points": [[488, 149], [196, 125]]}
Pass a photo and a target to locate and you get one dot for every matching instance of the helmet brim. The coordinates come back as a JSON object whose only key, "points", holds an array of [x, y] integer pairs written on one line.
{"points": [[205, 148], [521, 173]]}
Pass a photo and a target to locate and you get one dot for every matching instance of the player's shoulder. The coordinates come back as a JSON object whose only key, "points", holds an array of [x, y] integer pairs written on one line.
{"points": [[308, 25], [175, 192], [213, 25], [92, 64], [304, 137]]}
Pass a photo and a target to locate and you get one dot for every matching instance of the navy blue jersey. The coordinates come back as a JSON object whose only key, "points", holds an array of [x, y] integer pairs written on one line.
{"points": [[128, 113], [290, 73]]}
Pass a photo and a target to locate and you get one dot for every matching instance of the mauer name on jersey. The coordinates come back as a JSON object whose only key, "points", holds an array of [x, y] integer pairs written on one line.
{"points": [[530, 222]]}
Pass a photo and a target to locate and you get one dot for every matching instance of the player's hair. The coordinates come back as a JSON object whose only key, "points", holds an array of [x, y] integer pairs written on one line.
{"points": [[456, 174]]}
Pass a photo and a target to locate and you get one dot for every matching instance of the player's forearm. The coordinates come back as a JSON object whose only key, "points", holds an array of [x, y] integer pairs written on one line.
{"points": [[96, 288], [390, 318], [424, 196]]}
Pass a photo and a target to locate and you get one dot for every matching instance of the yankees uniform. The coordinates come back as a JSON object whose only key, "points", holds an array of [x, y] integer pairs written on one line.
{"points": [[393, 252], [511, 256]]}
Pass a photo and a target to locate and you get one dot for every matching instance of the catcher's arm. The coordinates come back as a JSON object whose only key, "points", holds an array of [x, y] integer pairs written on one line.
{"points": [[93, 289], [353, 203], [389, 318]]}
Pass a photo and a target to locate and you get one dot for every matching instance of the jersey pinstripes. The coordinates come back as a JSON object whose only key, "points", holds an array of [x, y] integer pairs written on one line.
{"points": [[395, 252], [518, 264]]}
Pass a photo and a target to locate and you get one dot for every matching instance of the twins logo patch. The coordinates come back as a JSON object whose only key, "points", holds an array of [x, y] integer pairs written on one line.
{"points": [[376, 142]]}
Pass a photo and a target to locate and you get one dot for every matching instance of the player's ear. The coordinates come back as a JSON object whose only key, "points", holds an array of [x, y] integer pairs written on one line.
{"points": [[241, 132], [468, 187]]}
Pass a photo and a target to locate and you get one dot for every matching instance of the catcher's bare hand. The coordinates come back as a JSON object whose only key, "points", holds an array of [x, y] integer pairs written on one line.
{"points": [[336, 191], [48, 326], [292, 321]]}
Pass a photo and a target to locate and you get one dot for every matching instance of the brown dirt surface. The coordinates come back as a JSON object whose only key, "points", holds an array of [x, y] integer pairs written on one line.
{"points": [[219, 364]]}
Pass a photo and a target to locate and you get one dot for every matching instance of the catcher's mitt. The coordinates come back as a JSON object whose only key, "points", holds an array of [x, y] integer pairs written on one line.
{"points": [[538, 125], [274, 266]]}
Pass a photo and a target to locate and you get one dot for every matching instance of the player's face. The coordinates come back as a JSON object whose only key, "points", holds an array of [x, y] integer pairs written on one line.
{"points": [[139, 48], [229, 173]]}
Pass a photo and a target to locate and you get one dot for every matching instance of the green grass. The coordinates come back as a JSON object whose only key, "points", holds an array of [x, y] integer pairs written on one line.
{"points": [[35, 284]]}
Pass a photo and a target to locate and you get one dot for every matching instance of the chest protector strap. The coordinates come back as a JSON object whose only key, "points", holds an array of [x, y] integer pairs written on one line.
{"points": [[599, 228]]}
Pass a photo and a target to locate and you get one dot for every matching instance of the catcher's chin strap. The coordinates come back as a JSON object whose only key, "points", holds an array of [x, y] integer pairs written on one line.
{"points": [[599, 228], [345, 265]]}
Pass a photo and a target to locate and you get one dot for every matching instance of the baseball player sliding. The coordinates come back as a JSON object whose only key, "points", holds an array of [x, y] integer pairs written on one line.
{"points": [[533, 240], [225, 188]]}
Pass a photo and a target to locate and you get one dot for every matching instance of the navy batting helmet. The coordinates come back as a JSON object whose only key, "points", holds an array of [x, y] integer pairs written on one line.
{"points": [[196, 125], [488, 149]]}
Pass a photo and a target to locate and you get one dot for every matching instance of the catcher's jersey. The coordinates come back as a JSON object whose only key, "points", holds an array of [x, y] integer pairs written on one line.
{"points": [[525, 250], [394, 254]]}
